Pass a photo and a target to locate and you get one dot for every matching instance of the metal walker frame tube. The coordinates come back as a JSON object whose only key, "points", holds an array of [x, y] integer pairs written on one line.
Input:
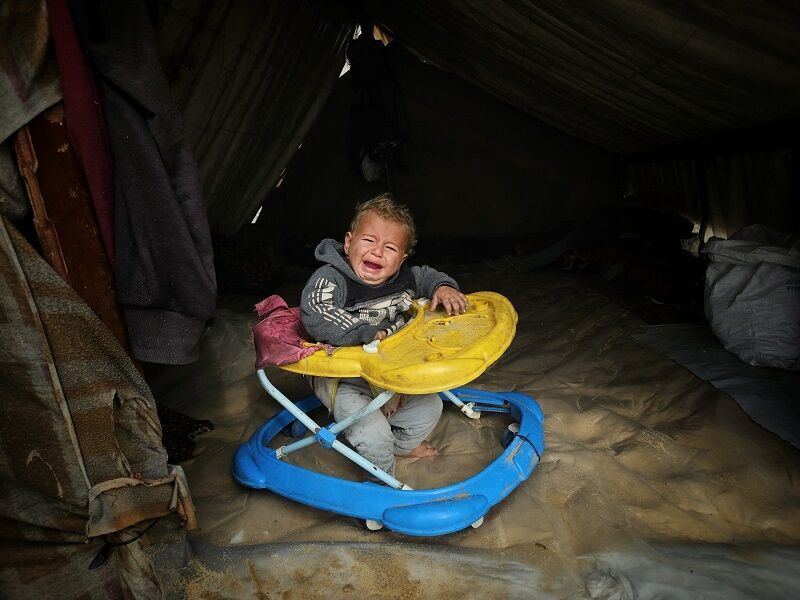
{"points": [[334, 430]]}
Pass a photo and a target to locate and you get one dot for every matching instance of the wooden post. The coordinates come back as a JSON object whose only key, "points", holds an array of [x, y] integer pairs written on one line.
{"points": [[64, 218]]}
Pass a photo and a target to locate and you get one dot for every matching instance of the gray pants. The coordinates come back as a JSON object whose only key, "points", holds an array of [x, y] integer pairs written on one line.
{"points": [[378, 437]]}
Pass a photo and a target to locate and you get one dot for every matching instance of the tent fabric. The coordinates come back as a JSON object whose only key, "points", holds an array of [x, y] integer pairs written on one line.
{"points": [[80, 442], [473, 166], [627, 76], [28, 73], [28, 85], [250, 77], [741, 188]]}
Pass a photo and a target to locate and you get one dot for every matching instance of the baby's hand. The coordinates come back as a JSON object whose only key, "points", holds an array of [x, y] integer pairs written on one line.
{"points": [[453, 301], [380, 335]]}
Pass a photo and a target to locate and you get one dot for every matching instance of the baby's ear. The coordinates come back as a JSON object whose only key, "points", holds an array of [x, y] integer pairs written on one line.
{"points": [[347, 237]]}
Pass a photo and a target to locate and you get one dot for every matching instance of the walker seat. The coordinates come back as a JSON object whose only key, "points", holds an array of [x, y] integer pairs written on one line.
{"points": [[433, 353]]}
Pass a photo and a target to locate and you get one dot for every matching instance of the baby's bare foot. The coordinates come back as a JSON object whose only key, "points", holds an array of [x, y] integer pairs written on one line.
{"points": [[424, 449]]}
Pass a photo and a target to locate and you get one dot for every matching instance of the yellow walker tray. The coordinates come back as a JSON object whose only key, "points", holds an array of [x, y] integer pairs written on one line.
{"points": [[433, 352]]}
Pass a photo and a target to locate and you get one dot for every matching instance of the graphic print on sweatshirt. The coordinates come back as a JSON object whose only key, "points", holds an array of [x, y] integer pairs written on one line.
{"points": [[375, 311], [389, 308]]}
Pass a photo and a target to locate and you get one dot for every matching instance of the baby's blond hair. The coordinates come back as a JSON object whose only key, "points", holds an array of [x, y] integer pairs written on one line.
{"points": [[387, 208]]}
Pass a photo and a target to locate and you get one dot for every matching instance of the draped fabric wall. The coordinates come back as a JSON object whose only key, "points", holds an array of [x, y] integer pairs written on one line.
{"points": [[627, 76], [742, 189], [249, 77]]}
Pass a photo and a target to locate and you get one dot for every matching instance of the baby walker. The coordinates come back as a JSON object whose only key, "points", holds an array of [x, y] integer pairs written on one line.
{"points": [[432, 353]]}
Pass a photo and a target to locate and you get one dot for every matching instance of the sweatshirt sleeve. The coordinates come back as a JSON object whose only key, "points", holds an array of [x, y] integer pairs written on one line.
{"points": [[428, 279], [323, 316]]}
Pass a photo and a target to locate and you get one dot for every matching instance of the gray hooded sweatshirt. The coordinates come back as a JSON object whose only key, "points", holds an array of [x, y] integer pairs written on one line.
{"points": [[339, 308]]}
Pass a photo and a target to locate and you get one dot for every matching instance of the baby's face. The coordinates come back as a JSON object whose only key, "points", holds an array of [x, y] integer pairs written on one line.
{"points": [[376, 249]]}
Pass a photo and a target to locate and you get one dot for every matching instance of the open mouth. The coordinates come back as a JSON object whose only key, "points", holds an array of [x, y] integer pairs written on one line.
{"points": [[371, 265]]}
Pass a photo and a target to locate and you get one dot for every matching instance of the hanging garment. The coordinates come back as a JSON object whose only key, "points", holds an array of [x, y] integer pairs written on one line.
{"points": [[164, 267]]}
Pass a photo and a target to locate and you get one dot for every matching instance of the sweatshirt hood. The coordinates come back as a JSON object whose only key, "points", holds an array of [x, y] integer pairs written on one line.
{"points": [[331, 252]]}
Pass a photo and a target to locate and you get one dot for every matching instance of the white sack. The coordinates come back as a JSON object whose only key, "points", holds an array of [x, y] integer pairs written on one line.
{"points": [[752, 296]]}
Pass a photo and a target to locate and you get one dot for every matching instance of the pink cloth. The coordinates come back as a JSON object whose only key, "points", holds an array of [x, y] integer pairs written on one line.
{"points": [[280, 336]]}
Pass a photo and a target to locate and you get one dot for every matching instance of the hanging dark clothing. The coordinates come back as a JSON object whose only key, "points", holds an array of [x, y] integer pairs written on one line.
{"points": [[164, 260]]}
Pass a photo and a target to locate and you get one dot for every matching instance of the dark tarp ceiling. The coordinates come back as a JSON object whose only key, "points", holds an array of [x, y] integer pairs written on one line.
{"points": [[250, 77], [472, 167], [628, 76], [625, 75]]}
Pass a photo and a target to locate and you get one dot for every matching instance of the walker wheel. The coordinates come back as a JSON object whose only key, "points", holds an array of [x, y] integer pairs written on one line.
{"points": [[508, 436], [294, 429], [374, 525]]}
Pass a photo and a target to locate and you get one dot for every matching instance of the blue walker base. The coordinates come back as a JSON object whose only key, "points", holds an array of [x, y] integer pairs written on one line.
{"points": [[412, 512]]}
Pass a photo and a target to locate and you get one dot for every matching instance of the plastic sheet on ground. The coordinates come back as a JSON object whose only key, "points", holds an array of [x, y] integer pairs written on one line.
{"points": [[769, 396], [653, 483]]}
